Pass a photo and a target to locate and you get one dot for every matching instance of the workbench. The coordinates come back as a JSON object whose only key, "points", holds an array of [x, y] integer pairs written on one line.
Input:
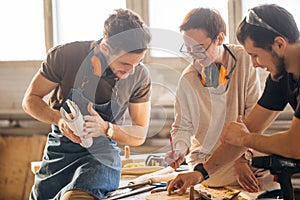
{"points": [[243, 195], [126, 178], [216, 193]]}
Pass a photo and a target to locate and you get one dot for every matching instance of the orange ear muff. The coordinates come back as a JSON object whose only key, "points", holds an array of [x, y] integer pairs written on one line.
{"points": [[202, 77], [96, 63], [222, 76]]}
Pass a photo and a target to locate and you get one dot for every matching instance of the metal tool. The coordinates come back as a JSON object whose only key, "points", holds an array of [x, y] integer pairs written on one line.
{"points": [[127, 191], [139, 185], [154, 160], [160, 189], [134, 186], [134, 192]]}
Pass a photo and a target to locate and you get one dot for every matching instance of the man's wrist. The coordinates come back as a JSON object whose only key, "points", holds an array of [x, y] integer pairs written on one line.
{"points": [[248, 155], [110, 130], [200, 168], [245, 139]]}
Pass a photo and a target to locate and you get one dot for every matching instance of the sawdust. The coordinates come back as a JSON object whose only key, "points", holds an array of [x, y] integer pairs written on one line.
{"points": [[164, 195], [214, 193], [218, 193]]}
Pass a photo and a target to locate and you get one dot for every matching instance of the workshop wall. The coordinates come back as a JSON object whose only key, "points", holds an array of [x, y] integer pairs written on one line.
{"points": [[16, 153]]}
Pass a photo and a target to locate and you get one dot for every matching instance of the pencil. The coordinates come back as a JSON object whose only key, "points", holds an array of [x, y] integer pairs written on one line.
{"points": [[172, 147]]}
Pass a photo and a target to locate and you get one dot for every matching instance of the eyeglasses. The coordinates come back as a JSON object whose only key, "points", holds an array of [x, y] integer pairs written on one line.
{"points": [[197, 51], [253, 19]]}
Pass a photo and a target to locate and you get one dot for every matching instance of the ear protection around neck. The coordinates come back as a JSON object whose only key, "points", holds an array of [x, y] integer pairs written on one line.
{"points": [[214, 75]]}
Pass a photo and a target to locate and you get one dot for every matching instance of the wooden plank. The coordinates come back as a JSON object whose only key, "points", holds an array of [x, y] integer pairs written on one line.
{"points": [[16, 152]]}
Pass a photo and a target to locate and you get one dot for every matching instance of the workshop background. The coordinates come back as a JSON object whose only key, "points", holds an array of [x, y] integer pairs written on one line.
{"points": [[30, 27]]}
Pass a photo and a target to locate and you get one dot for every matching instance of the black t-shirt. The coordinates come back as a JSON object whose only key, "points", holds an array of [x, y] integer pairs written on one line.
{"points": [[278, 94]]}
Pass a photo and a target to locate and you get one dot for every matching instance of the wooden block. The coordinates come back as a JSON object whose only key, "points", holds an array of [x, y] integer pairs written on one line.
{"points": [[127, 151], [131, 160], [140, 170]]}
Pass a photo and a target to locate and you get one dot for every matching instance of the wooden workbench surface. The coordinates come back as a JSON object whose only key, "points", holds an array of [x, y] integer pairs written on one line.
{"points": [[164, 195], [216, 193]]}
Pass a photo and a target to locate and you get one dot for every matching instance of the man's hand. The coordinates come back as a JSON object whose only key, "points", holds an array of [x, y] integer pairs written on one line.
{"points": [[183, 181], [245, 176], [66, 131], [94, 125], [234, 133]]}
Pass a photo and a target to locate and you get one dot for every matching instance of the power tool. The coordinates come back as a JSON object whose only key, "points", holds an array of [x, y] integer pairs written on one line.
{"points": [[282, 168]]}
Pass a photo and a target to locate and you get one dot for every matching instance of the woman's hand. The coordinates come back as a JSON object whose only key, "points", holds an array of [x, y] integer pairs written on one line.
{"points": [[175, 160]]}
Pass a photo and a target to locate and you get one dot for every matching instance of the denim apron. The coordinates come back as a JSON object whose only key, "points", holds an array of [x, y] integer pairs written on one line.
{"points": [[67, 165]]}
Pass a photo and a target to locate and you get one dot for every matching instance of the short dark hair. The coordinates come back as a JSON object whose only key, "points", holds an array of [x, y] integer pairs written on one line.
{"points": [[275, 16], [125, 30], [207, 19]]}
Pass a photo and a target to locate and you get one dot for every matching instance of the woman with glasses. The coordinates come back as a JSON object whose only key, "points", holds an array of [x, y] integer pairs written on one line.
{"points": [[218, 85], [104, 78]]}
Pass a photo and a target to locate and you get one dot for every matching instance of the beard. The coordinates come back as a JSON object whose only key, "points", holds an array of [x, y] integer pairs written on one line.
{"points": [[279, 66]]}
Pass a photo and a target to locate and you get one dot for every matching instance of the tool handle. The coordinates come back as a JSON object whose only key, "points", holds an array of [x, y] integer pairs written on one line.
{"points": [[159, 189], [127, 151], [287, 191]]}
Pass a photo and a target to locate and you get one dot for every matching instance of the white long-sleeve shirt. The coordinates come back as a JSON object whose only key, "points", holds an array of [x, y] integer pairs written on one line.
{"points": [[200, 114]]}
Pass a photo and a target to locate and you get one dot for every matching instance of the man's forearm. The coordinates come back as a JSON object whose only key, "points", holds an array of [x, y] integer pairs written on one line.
{"points": [[224, 154], [38, 109], [131, 135], [282, 143]]}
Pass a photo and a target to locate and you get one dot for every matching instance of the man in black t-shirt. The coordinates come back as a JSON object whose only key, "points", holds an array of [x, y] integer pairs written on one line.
{"points": [[270, 35], [275, 47]]}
